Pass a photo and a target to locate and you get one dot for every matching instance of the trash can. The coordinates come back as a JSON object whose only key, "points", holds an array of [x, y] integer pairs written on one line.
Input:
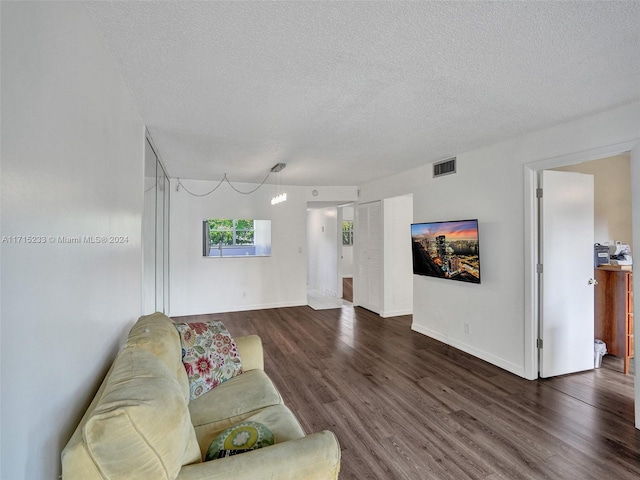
{"points": [[599, 351]]}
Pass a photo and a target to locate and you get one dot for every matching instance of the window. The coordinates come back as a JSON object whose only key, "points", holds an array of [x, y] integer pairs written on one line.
{"points": [[347, 232], [230, 232], [225, 237]]}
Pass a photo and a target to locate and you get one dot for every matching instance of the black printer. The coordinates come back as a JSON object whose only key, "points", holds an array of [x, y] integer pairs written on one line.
{"points": [[600, 254]]}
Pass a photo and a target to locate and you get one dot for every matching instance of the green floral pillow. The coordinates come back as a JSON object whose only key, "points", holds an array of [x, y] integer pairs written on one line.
{"points": [[210, 355], [241, 438]]}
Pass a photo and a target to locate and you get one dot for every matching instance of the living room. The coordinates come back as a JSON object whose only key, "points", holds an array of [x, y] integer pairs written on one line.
{"points": [[73, 143]]}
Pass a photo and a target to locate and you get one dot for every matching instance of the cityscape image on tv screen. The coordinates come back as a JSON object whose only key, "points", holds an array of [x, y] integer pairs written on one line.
{"points": [[446, 250]]}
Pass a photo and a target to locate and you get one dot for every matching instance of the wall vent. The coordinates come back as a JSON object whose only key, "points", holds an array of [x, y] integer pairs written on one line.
{"points": [[445, 167]]}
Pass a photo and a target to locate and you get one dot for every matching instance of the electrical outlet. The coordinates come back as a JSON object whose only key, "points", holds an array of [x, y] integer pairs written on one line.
{"points": [[466, 328]]}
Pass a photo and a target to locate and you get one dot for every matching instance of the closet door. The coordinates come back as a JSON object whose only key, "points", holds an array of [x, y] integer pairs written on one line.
{"points": [[368, 244], [155, 234]]}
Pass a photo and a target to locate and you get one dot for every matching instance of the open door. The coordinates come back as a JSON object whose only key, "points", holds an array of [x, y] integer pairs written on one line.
{"points": [[566, 281], [367, 282]]}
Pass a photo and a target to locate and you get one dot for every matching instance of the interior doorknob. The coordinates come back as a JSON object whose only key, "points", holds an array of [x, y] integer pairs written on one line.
{"points": [[592, 281]]}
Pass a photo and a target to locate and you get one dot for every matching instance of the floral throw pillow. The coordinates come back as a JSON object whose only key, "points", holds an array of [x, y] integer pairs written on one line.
{"points": [[210, 355]]}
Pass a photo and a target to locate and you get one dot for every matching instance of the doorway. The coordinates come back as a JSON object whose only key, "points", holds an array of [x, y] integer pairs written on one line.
{"points": [[612, 224], [532, 293], [325, 257], [606, 219], [346, 219]]}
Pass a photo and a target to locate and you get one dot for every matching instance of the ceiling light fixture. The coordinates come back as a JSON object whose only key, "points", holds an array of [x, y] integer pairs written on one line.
{"points": [[282, 196], [278, 198]]}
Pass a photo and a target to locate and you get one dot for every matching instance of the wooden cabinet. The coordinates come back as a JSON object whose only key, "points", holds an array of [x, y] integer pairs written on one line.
{"points": [[614, 311]]}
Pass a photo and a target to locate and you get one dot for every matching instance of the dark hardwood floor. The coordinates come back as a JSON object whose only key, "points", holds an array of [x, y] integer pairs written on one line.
{"points": [[347, 289], [405, 406]]}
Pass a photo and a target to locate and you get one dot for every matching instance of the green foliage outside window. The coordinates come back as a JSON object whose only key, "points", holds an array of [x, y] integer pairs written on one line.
{"points": [[227, 232], [347, 233]]}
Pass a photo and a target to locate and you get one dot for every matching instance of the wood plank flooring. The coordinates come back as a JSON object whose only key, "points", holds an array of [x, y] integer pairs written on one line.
{"points": [[405, 406], [347, 289]]}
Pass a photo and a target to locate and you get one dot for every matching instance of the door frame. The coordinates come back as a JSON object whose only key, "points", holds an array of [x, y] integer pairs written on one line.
{"points": [[531, 238], [340, 259], [339, 215]]}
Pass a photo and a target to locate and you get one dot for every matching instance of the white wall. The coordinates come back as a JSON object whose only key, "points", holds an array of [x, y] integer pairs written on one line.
{"points": [[612, 197], [208, 285], [489, 186], [397, 290], [322, 260], [72, 156]]}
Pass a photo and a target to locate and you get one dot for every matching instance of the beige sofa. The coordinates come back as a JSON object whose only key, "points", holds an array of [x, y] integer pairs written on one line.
{"points": [[141, 424]]}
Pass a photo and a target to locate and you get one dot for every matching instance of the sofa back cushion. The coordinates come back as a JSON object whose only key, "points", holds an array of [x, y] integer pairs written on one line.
{"points": [[157, 333], [141, 428], [139, 425]]}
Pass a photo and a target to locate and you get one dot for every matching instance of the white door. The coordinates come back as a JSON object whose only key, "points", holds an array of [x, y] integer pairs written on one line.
{"points": [[368, 243], [566, 313]]}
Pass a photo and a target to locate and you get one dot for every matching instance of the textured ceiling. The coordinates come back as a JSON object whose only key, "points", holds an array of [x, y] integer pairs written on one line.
{"points": [[348, 92]]}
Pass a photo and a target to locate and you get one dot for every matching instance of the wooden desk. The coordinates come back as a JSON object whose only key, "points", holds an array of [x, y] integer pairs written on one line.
{"points": [[613, 311]]}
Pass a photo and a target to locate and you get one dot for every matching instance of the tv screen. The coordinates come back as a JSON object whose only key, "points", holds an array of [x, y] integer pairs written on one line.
{"points": [[446, 250]]}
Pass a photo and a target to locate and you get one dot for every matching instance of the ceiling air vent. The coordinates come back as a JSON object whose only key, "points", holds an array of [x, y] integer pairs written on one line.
{"points": [[445, 167]]}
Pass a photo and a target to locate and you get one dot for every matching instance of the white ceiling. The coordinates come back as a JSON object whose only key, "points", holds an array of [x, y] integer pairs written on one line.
{"points": [[348, 92]]}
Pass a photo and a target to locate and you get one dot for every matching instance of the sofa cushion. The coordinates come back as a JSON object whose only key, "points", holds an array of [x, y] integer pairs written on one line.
{"points": [[277, 418], [209, 354], [314, 457], [234, 400], [240, 438], [141, 427]]}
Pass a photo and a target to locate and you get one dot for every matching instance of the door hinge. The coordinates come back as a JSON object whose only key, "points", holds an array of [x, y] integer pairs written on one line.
{"points": [[539, 343], [538, 193], [539, 268]]}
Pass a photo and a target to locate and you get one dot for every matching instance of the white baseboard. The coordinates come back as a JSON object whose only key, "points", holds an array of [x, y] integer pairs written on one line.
{"points": [[396, 313], [244, 308], [481, 354]]}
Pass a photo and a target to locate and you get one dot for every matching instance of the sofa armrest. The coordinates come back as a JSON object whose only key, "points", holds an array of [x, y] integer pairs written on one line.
{"points": [[251, 354], [314, 457]]}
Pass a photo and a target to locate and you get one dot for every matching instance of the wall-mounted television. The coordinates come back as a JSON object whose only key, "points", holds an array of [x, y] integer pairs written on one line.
{"points": [[446, 250]]}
